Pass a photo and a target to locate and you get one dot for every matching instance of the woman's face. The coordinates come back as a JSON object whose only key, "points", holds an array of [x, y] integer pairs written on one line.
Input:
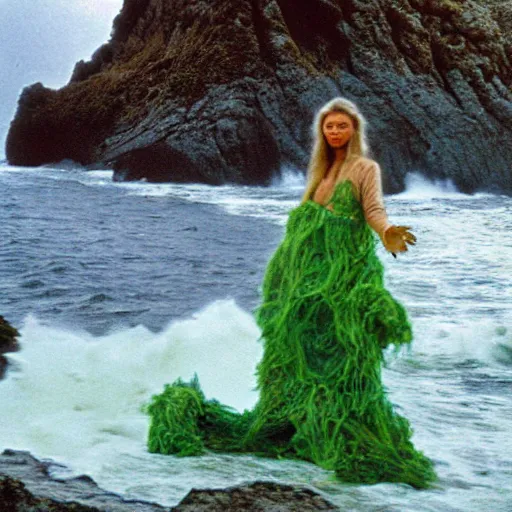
{"points": [[338, 129]]}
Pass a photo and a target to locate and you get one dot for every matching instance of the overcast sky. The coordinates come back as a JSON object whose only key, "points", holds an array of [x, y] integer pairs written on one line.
{"points": [[41, 40]]}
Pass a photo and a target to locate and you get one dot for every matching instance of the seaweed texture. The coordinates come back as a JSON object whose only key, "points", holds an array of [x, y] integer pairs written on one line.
{"points": [[325, 318]]}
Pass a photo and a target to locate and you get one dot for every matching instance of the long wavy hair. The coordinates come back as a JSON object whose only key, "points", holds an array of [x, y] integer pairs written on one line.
{"points": [[322, 155]]}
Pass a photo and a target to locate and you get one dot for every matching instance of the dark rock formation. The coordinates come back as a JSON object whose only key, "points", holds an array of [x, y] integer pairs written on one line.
{"points": [[8, 343], [25, 482], [219, 91], [25, 486], [256, 497], [14, 497]]}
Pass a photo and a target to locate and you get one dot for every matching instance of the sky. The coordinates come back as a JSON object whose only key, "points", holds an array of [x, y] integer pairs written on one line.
{"points": [[41, 40]]}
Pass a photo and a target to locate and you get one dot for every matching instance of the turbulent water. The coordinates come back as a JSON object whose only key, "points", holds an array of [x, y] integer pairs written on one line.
{"points": [[120, 288]]}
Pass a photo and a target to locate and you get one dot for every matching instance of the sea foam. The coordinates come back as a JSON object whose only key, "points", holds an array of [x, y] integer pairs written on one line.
{"points": [[73, 396]]}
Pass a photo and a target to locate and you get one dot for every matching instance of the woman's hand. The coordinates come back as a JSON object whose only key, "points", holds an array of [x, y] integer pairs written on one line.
{"points": [[396, 238]]}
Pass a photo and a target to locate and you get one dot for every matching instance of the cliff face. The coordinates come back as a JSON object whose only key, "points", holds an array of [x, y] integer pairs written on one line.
{"points": [[220, 91]]}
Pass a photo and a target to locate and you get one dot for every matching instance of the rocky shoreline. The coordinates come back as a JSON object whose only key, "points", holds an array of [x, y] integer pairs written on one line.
{"points": [[211, 92], [26, 486]]}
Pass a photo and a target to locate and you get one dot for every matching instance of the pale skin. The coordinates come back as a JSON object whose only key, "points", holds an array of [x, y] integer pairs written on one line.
{"points": [[338, 128]]}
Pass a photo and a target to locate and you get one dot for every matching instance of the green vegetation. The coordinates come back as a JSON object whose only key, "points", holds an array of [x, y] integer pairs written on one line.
{"points": [[325, 319]]}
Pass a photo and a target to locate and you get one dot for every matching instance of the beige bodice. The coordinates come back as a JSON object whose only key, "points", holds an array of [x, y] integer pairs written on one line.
{"points": [[365, 175]]}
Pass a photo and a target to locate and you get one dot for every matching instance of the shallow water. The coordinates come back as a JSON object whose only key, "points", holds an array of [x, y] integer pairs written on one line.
{"points": [[120, 288]]}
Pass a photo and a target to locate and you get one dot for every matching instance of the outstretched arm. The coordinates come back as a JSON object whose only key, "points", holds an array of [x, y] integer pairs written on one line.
{"points": [[394, 238]]}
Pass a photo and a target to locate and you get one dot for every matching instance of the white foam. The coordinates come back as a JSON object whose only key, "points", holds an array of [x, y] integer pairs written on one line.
{"points": [[272, 203], [483, 340], [418, 186], [96, 178], [78, 398], [289, 178], [15, 169]]}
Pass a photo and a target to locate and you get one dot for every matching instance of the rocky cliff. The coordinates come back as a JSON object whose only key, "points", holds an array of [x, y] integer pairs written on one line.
{"points": [[217, 91]]}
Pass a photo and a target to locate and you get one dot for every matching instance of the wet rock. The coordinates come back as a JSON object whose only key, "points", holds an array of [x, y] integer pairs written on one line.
{"points": [[8, 343], [212, 91], [8, 336], [25, 482], [256, 497], [26, 486], [14, 497]]}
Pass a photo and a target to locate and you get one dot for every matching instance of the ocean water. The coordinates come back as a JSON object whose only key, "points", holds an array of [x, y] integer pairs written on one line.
{"points": [[119, 288]]}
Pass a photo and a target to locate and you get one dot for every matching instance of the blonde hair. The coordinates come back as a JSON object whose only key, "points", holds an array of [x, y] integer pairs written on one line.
{"points": [[322, 155]]}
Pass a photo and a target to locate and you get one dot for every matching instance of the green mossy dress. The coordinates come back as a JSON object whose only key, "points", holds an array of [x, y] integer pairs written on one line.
{"points": [[325, 320]]}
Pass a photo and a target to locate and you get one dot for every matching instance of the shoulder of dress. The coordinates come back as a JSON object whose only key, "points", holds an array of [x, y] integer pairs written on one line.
{"points": [[362, 169], [364, 162]]}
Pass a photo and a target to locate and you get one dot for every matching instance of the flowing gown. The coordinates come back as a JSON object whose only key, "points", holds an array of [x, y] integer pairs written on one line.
{"points": [[325, 319]]}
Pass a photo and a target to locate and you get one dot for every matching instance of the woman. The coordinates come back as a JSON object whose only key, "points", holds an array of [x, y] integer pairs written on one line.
{"points": [[339, 145], [325, 318]]}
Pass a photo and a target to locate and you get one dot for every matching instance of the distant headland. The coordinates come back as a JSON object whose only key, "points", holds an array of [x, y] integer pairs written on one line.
{"points": [[217, 92]]}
